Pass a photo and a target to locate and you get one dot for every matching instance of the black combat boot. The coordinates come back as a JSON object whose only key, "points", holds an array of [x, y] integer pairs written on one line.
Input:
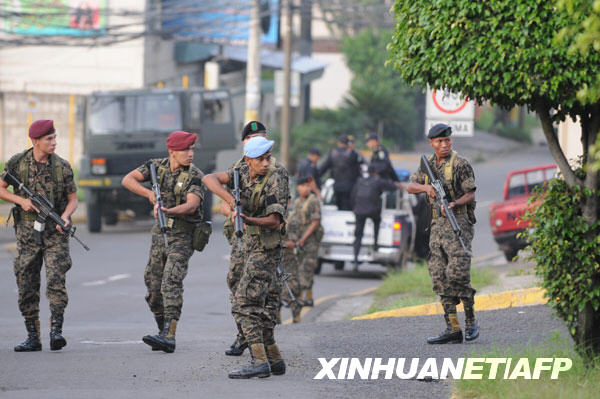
{"points": [[275, 360], [258, 367], [472, 326], [32, 343], [238, 347], [160, 322], [308, 298], [57, 341], [164, 341], [452, 335]]}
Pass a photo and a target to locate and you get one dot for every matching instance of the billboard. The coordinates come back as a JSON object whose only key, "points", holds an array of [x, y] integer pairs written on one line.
{"points": [[226, 21], [54, 17]]}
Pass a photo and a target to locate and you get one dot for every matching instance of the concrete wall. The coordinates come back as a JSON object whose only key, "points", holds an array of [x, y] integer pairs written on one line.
{"points": [[569, 137], [15, 116], [329, 90]]}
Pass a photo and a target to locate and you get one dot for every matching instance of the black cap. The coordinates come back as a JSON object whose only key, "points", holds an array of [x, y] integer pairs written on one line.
{"points": [[439, 130], [343, 139], [253, 127], [315, 151], [304, 179], [371, 136]]}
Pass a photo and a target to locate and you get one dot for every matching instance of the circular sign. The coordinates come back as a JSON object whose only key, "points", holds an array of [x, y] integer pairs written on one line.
{"points": [[448, 103], [32, 104]]}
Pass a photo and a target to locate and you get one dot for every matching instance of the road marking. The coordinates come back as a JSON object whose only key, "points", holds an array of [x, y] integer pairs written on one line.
{"points": [[499, 300], [111, 342], [116, 277], [306, 309]]}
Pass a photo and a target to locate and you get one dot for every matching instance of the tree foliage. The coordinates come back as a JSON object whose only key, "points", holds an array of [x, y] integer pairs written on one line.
{"points": [[566, 259], [505, 52]]}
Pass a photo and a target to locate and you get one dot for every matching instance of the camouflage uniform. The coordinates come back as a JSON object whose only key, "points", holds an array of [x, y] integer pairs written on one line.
{"points": [[291, 264], [167, 267], [54, 250], [257, 295], [307, 212], [236, 259], [449, 265]]}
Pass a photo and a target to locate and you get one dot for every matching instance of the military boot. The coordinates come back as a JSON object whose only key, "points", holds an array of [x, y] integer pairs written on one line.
{"points": [[164, 341], [149, 339], [258, 367], [238, 347], [57, 341], [275, 360], [296, 317], [472, 326], [452, 335], [308, 301], [32, 343]]}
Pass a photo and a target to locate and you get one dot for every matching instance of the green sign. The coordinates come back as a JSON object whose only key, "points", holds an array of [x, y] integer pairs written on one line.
{"points": [[54, 17]]}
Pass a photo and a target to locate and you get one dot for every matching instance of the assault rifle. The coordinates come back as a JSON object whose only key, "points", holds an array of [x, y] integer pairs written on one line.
{"points": [[162, 218], [442, 202], [239, 224], [46, 210], [283, 276]]}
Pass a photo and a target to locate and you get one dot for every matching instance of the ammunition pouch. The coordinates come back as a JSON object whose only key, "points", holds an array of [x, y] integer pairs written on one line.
{"points": [[471, 213], [202, 232], [270, 239], [229, 231]]}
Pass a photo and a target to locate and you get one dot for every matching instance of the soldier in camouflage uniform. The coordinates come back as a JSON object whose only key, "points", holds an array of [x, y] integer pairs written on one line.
{"points": [[264, 195], [42, 171], [307, 207], [182, 192], [236, 262], [449, 264]]}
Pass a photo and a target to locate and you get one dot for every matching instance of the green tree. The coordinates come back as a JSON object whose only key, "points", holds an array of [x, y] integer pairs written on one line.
{"points": [[377, 90], [503, 51]]}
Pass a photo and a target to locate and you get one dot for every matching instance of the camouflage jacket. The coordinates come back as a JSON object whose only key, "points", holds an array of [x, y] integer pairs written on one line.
{"points": [[194, 185]]}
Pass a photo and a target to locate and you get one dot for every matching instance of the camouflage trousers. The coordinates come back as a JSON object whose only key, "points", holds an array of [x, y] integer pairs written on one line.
{"points": [[54, 253], [449, 265], [291, 266], [309, 263], [236, 267], [166, 269], [257, 297]]}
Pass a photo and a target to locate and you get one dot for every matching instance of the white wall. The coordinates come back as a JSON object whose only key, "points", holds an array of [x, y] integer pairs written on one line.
{"points": [[329, 90], [569, 137]]}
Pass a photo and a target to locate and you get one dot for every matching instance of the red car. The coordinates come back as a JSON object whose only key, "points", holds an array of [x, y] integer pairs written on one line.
{"points": [[506, 216]]}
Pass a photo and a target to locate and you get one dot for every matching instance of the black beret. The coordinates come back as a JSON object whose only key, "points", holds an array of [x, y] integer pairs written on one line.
{"points": [[41, 128], [315, 151], [372, 136], [253, 127], [343, 139], [304, 179], [439, 130], [373, 168]]}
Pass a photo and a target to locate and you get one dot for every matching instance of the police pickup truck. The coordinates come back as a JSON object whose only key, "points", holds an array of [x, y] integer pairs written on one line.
{"points": [[396, 232]]}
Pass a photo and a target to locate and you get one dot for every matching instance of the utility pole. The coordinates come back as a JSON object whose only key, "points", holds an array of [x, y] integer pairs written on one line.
{"points": [[305, 49], [253, 65], [287, 66]]}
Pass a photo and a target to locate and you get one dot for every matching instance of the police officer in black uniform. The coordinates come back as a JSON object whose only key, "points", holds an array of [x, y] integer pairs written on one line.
{"points": [[381, 158], [344, 170], [366, 200]]}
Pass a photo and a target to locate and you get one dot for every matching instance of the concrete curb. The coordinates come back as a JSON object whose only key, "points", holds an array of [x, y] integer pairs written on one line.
{"points": [[499, 300]]}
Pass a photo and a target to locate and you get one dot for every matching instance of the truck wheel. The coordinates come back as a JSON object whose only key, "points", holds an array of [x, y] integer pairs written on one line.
{"points": [[111, 218], [318, 269], [94, 220], [339, 265], [510, 253]]}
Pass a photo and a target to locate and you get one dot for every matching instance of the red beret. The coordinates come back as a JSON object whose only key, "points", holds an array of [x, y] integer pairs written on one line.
{"points": [[179, 141], [41, 128]]}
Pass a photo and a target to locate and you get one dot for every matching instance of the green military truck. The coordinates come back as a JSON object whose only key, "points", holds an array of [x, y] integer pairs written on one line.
{"points": [[125, 128]]}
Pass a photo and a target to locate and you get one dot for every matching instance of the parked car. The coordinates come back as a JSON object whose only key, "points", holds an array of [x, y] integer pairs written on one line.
{"points": [[506, 217]]}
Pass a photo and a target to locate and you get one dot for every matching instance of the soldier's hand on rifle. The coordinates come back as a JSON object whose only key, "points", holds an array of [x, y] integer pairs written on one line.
{"points": [[152, 199], [67, 223], [290, 244], [450, 206], [28, 206], [430, 190]]}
